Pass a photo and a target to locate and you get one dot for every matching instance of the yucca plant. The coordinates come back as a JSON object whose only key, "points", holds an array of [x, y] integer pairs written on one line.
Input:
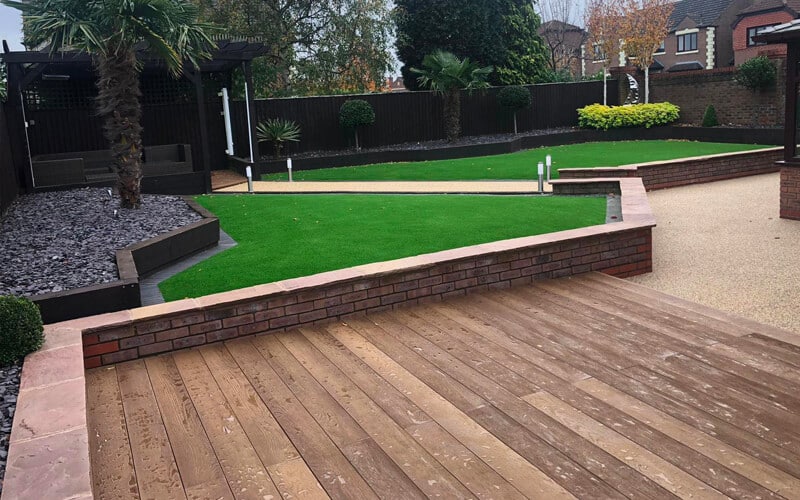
{"points": [[278, 131]]}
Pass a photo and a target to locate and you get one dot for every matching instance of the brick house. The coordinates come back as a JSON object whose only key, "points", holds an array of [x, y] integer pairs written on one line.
{"points": [[753, 20], [563, 42], [700, 37]]}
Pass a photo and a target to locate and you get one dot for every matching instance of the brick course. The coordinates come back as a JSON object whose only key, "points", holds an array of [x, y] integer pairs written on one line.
{"points": [[659, 175], [790, 193]]}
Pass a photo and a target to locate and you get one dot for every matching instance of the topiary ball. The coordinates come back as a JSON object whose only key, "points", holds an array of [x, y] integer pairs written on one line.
{"points": [[355, 113], [21, 331], [514, 97]]}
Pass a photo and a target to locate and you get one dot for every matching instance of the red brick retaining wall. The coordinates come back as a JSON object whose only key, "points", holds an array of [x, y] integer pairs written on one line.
{"points": [[665, 174], [790, 193], [619, 249]]}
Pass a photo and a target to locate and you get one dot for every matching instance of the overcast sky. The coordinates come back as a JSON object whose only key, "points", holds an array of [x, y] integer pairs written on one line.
{"points": [[11, 27]]}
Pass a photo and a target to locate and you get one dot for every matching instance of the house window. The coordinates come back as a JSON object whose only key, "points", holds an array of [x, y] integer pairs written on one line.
{"points": [[755, 30], [597, 53], [687, 42], [661, 48]]}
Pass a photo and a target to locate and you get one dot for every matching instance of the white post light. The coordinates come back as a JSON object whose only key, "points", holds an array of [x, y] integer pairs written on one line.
{"points": [[249, 173], [549, 162], [226, 113], [541, 177], [289, 168]]}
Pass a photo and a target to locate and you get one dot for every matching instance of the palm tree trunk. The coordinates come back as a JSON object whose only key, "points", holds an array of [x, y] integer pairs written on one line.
{"points": [[119, 106], [452, 114]]}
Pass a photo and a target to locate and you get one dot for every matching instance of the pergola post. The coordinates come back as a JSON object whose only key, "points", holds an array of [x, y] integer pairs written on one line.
{"points": [[790, 120], [197, 78]]}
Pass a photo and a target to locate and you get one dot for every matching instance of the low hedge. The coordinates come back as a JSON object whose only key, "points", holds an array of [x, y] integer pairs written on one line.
{"points": [[633, 115]]}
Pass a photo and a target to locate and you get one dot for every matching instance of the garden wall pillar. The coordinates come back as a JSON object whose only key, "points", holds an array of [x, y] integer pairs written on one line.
{"points": [[790, 192]]}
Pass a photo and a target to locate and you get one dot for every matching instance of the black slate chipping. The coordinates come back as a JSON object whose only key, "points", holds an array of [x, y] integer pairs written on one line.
{"points": [[9, 388], [61, 240]]}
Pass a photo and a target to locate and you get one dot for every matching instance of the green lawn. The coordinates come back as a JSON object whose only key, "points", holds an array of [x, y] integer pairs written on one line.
{"points": [[286, 236], [521, 165]]}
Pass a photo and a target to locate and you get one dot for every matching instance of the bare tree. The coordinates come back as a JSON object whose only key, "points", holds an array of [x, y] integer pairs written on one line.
{"points": [[602, 22], [643, 27], [562, 37]]}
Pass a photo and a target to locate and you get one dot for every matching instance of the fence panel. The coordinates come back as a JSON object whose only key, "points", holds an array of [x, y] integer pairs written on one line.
{"points": [[9, 183], [416, 116]]}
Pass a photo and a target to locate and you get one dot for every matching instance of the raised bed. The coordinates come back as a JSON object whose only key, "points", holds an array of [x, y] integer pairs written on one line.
{"points": [[718, 134], [133, 262], [685, 171]]}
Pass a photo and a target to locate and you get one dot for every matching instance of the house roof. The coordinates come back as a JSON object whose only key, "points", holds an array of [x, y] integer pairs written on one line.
{"points": [[768, 5], [555, 25], [702, 12]]}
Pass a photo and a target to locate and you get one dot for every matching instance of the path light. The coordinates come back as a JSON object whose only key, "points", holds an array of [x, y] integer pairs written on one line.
{"points": [[249, 173], [289, 168], [541, 177], [549, 161]]}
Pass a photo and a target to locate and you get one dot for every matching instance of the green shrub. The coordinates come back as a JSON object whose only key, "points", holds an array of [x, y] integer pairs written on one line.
{"points": [[635, 115], [356, 113], [757, 73], [514, 98], [278, 131], [21, 330], [710, 117]]}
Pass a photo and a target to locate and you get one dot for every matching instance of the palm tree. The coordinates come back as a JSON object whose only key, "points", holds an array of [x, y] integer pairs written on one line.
{"points": [[446, 74], [111, 31]]}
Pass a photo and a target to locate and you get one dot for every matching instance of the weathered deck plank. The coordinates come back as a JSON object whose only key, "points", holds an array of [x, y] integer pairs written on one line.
{"points": [[584, 387]]}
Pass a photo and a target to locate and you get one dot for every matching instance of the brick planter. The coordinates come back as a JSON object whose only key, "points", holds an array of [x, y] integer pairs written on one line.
{"points": [[659, 175], [619, 249], [790, 192]]}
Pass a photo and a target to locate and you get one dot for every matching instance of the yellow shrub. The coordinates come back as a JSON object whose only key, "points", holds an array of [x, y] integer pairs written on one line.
{"points": [[633, 115]]}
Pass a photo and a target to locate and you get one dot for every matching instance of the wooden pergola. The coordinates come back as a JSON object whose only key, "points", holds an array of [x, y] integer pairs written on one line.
{"points": [[789, 33], [26, 67]]}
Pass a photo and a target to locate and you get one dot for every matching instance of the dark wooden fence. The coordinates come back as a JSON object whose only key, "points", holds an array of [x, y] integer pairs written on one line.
{"points": [[400, 117], [9, 183], [417, 116]]}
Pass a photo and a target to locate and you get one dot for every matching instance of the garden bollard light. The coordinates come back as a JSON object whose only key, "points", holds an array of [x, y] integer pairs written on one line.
{"points": [[249, 173], [549, 161], [541, 177], [289, 167]]}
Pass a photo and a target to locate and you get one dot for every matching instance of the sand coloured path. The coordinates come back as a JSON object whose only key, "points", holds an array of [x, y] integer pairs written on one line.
{"points": [[723, 245]]}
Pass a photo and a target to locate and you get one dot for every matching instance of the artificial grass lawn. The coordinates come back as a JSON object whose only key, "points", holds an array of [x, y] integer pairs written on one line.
{"points": [[287, 236], [522, 164]]}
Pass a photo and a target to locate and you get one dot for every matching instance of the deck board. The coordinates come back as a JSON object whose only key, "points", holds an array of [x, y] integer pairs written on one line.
{"points": [[584, 387]]}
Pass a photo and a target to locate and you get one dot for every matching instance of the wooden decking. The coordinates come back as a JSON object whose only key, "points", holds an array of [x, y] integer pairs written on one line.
{"points": [[588, 387]]}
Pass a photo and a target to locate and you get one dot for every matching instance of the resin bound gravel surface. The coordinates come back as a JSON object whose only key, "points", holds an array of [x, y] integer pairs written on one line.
{"points": [[55, 241]]}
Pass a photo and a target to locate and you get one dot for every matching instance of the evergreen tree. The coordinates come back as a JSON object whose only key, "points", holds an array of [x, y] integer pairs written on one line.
{"points": [[526, 54], [500, 33]]}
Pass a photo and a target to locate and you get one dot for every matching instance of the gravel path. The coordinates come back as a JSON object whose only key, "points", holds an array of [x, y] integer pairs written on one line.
{"points": [[61, 240], [723, 245]]}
